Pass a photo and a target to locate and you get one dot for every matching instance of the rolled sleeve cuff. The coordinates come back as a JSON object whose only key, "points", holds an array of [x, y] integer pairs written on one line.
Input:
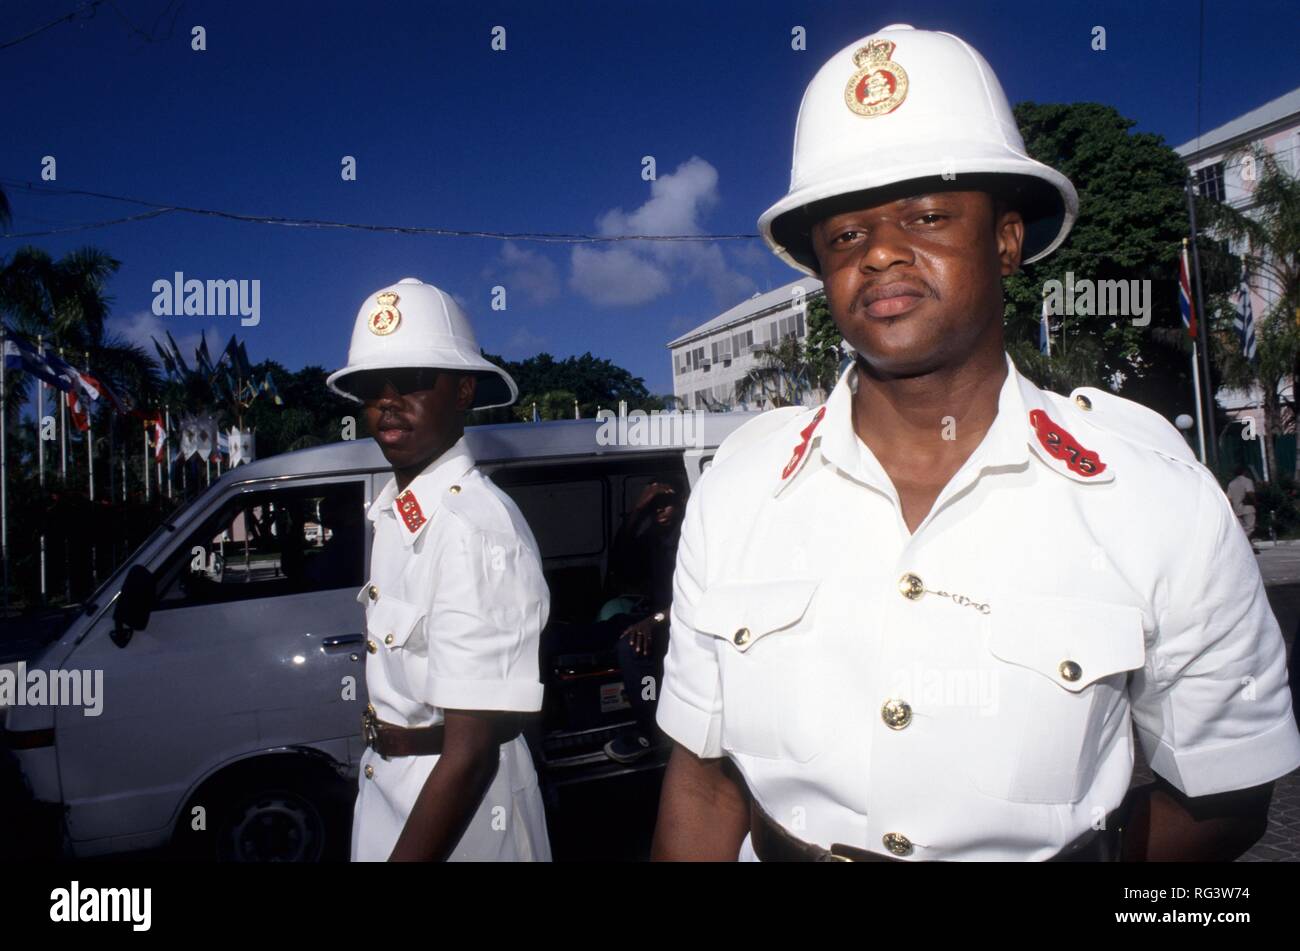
{"points": [[1247, 762], [521, 696], [697, 730]]}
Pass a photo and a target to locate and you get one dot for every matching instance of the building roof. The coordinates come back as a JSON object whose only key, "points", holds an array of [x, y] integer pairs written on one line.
{"points": [[754, 306], [1280, 109]]}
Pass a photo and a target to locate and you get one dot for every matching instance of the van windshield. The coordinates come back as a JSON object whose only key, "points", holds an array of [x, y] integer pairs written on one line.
{"points": [[166, 525]]}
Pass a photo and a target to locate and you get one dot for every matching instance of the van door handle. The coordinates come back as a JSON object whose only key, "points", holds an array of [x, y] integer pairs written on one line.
{"points": [[341, 640]]}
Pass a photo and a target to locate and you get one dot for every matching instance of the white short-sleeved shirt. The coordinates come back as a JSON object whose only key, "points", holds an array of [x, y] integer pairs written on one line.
{"points": [[455, 606], [1080, 582]]}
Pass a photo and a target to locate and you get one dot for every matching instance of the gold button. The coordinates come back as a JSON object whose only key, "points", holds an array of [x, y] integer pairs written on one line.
{"points": [[388, 638], [1070, 670], [1083, 402], [370, 772], [741, 637], [910, 586], [373, 593], [897, 843], [371, 707], [897, 714], [371, 646], [454, 490]]}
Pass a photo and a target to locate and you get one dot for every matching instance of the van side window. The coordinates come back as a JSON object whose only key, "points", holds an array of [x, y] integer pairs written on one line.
{"points": [[270, 543]]}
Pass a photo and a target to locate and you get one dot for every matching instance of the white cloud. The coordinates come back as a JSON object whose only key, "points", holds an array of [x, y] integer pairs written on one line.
{"points": [[524, 343], [529, 272], [616, 278], [631, 274], [140, 327]]}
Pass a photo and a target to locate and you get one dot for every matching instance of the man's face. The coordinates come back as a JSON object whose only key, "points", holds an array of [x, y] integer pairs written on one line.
{"points": [[916, 284], [415, 415]]}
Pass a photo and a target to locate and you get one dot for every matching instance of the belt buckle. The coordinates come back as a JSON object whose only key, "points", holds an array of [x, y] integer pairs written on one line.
{"points": [[370, 726]]}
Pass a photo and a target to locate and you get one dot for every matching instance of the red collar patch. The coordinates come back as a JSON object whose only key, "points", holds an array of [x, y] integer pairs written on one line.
{"points": [[409, 508], [799, 450], [1061, 445]]}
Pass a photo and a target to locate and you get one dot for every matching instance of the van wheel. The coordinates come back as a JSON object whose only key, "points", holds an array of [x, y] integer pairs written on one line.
{"points": [[272, 817]]}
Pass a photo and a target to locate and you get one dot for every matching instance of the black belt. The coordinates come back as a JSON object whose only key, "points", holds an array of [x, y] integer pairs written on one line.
{"points": [[389, 739], [772, 843]]}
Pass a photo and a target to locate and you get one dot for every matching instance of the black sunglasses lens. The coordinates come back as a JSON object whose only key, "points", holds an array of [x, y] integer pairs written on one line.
{"points": [[370, 386]]}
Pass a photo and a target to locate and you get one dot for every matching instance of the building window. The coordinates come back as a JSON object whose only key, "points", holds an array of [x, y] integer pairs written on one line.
{"points": [[743, 342], [1208, 181]]}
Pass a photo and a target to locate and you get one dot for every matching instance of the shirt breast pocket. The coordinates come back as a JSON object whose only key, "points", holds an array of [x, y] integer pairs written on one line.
{"points": [[395, 629], [765, 642], [1059, 669]]}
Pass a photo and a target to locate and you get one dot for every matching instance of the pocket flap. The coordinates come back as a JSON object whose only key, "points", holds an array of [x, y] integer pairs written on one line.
{"points": [[743, 613], [390, 622], [1072, 642]]}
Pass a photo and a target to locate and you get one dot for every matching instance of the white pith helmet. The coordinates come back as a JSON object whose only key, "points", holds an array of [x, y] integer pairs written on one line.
{"points": [[900, 105], [413, 324]]}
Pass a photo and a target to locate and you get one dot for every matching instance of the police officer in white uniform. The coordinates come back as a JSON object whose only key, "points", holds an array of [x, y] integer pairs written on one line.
{"points": [[931, 619], [454, 606]]}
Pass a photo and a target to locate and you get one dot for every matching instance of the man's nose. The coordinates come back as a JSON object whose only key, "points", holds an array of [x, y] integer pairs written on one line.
{"points": [[885, 245]]}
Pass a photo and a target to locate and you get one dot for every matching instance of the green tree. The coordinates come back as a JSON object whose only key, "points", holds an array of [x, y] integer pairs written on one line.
{"points": [[593, 381], [1132, 219]]}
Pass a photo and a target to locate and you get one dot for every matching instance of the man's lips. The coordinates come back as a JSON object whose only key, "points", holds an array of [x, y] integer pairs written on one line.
{"points": [[891, 300], [390, 432]]}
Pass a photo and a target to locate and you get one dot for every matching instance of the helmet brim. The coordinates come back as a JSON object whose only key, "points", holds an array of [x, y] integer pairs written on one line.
{"points": [[494, 386], [1045, 199]]}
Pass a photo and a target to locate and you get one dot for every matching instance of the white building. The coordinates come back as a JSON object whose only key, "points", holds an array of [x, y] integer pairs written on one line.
{"points": [[1221, 169], [710, 361]]}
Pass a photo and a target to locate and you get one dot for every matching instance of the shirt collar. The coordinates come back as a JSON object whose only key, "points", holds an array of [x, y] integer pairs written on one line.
{"points": [[1026, 421], [414, 507]]}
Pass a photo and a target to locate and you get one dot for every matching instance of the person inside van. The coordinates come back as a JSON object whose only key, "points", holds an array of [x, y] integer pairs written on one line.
{"points": [[641, 573]]}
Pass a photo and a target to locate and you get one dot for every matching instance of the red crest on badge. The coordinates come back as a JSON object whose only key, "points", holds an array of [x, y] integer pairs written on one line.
{"points": [[805, 438], [409, 508], [1061, 445]]}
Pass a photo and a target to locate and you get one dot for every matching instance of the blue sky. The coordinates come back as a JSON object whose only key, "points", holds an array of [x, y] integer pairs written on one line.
{"points": [[547, 136]]}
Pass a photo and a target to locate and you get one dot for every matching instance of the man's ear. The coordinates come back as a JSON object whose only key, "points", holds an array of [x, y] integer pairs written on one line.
{"points": [[1010, 231], [465, 390]]}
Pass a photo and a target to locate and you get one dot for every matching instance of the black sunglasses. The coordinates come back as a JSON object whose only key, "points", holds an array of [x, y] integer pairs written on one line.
{"points": [[370, 384]]}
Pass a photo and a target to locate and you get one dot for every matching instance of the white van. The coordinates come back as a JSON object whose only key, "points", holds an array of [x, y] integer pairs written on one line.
{"points": [[227, 643]]}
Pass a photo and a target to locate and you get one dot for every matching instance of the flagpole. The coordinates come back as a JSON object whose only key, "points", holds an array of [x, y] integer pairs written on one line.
{"points": [[1207, 380], [63, 434], [90, 442], [40, 422], [167, 433], [40, 461], [4, 464], [1200, 413]]}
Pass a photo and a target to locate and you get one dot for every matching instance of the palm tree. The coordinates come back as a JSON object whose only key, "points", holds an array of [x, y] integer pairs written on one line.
{"points": [[1269, 231]]}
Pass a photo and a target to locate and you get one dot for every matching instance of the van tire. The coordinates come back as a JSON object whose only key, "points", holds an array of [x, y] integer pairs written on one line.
{"points": [[273, 813]]}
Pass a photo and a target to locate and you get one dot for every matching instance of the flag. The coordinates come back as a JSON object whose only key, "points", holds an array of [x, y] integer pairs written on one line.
{"points": [[223, 443], [169, 365], [1185, 295], [201, 356], [242, 367], [21, 355], [1245, 319], [268, 387], [64, 370], [155, 422], [176, 354], [80, 416], [1045, 329]]}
